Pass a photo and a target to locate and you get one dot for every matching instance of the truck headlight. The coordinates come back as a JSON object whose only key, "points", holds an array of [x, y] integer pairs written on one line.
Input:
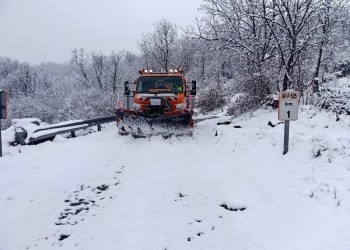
{"points": [[180, 106], [137, 106]]}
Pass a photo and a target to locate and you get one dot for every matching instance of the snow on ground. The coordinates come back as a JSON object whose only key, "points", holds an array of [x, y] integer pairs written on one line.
{"points": [[231, 191]]}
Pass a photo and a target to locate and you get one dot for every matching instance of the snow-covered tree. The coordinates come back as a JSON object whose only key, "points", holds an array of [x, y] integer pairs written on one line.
{"points": [[80, 61], [159, 47], [99, 69], [114, 74]]}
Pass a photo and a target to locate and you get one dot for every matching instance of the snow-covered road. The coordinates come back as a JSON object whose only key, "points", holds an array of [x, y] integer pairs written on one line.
{"points": [[231, 191]]}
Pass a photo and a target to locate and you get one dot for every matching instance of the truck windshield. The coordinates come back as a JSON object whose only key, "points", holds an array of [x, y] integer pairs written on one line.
{"points": [[159, 84]]}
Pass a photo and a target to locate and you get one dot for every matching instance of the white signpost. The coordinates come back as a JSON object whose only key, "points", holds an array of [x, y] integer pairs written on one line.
{"points": [[288, 111]]}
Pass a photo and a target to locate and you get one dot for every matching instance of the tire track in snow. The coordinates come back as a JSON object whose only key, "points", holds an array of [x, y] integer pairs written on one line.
{"points": [[85, 202]]}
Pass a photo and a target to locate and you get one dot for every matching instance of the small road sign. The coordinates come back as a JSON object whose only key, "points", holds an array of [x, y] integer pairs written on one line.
{"points": [[288, 111], [288, 105]]}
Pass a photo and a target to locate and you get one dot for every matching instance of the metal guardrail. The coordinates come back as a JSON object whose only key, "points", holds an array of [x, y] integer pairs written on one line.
{"points": [[62, 129], [21, 136]]}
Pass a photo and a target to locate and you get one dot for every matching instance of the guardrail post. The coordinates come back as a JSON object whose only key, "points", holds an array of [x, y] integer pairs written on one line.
{"points": [[99, 127], [73, 134]]}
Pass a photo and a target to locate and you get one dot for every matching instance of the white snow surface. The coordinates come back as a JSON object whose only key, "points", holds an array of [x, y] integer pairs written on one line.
{"points": [[106, 191], [25, 121]]}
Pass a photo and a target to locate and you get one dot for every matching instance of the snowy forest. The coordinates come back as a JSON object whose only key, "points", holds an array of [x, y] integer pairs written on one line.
{"points": [[239, 52]]}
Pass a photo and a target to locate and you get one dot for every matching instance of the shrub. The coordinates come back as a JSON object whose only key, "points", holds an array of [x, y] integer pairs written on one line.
{"points": [[210, 99]]}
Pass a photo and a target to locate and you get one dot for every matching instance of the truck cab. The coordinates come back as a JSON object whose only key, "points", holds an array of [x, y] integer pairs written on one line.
{"points": [[162, 92]]}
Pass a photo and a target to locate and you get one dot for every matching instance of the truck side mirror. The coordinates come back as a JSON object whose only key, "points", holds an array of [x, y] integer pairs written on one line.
{"points": [[126, 88], [194, 88], [3, 105]]}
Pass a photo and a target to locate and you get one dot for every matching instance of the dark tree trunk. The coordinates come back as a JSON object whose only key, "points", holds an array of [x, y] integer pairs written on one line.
{"points": [[315, 81]]}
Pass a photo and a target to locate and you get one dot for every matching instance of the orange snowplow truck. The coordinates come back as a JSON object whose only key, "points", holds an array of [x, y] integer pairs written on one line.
{"points": [[162, 105]]}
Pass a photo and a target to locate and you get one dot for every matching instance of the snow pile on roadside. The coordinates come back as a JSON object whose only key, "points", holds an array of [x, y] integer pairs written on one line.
{"points": [[228, 187]]}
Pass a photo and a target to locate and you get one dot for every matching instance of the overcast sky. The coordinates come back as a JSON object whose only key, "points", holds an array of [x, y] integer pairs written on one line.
{"points": [[47, 30]]}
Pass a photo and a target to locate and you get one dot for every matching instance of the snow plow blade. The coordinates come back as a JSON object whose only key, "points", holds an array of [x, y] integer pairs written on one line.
{"points": [[141, 125]]}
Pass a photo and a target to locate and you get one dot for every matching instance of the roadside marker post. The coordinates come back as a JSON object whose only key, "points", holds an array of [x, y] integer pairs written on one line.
{"points": [[0, 140], [3, 113], [288, 102]]}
